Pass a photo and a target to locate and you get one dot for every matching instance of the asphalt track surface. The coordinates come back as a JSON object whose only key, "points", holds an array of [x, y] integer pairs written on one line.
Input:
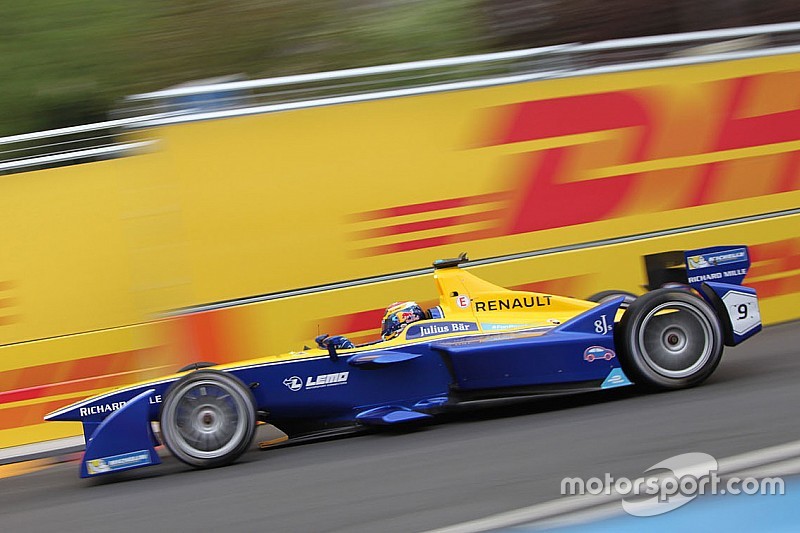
{"points": [[473, 464]]}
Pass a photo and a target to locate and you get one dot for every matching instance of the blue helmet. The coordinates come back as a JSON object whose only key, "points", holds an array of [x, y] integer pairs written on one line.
{"points": [[397, 316]]}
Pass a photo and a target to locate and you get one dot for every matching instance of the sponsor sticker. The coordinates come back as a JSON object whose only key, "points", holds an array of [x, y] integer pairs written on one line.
{"points": [[723, 257], [498, 327], [463, 301], [103, 408], [295, 383], [718, 275], [419, 331], [508, 304], [327, 380], [598, 353], [123, 461], [602, 325], [615, 378]]}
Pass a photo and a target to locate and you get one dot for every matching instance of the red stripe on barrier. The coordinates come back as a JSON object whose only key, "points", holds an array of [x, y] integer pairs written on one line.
{"points": [[419, 244], [425, 207], [29, 415], [435, 223], [117, 379], [777, 287], [780, 259], [67, 371]]}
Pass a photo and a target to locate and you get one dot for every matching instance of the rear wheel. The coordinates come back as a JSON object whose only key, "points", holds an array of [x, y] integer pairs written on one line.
{"points": [[208, 418], [669, 340], [606, 296]]}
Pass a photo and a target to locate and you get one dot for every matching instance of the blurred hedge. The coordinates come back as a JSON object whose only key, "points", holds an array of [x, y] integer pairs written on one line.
{"points": [[523, 23], [66, 62]]}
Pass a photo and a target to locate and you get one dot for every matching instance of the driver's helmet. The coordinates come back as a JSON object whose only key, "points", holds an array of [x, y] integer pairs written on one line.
{"points": [[397, 316]]}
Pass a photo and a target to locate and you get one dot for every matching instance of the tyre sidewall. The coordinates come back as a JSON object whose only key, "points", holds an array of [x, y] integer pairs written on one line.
{"points": [[245, 402], [634, 362]]}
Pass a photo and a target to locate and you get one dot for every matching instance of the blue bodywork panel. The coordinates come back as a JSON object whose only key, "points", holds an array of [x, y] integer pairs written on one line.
{"points": [[381, 359], [384, 416], [525, 358]]}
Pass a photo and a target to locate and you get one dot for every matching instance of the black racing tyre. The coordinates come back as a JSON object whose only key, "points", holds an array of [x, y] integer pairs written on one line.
{"points": [[606, 296], [669, 339], [208, 418]]}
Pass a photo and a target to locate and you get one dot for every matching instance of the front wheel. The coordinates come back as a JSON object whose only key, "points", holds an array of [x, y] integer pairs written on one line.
{"points": [[208, 418], [669, 339]]}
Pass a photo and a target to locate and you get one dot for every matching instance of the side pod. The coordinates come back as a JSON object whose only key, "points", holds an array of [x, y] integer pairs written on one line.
{"points": [[599, 320], [122, 441]]}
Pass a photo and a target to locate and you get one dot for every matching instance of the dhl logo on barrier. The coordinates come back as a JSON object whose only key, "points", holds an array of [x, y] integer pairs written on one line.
{"points": [[594, 157]]}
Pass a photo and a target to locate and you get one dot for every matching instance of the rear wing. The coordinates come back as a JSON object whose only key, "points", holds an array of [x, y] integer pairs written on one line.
{"points": [[717, 273], [720, 264]]}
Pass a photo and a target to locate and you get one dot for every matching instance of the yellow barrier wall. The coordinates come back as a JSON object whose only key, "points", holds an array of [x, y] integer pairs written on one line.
{"points": [[243, 206]]}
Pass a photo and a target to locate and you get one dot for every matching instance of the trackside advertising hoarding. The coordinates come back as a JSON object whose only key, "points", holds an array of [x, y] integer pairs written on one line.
{"points": [[97, 255]]}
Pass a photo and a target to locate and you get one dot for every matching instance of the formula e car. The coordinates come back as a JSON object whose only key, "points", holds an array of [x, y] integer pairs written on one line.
{"points": [[481, 342]]}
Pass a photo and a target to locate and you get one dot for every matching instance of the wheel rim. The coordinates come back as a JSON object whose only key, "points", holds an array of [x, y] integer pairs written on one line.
{"points": [[206, 420], [675, 339]]}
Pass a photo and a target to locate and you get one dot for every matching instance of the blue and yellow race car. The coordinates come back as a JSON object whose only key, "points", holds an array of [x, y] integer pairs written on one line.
{"points": [[481, 342]]}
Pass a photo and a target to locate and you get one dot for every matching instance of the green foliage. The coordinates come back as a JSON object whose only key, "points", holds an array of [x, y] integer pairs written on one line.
{"points": [[66, 62], [60, 61]]}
